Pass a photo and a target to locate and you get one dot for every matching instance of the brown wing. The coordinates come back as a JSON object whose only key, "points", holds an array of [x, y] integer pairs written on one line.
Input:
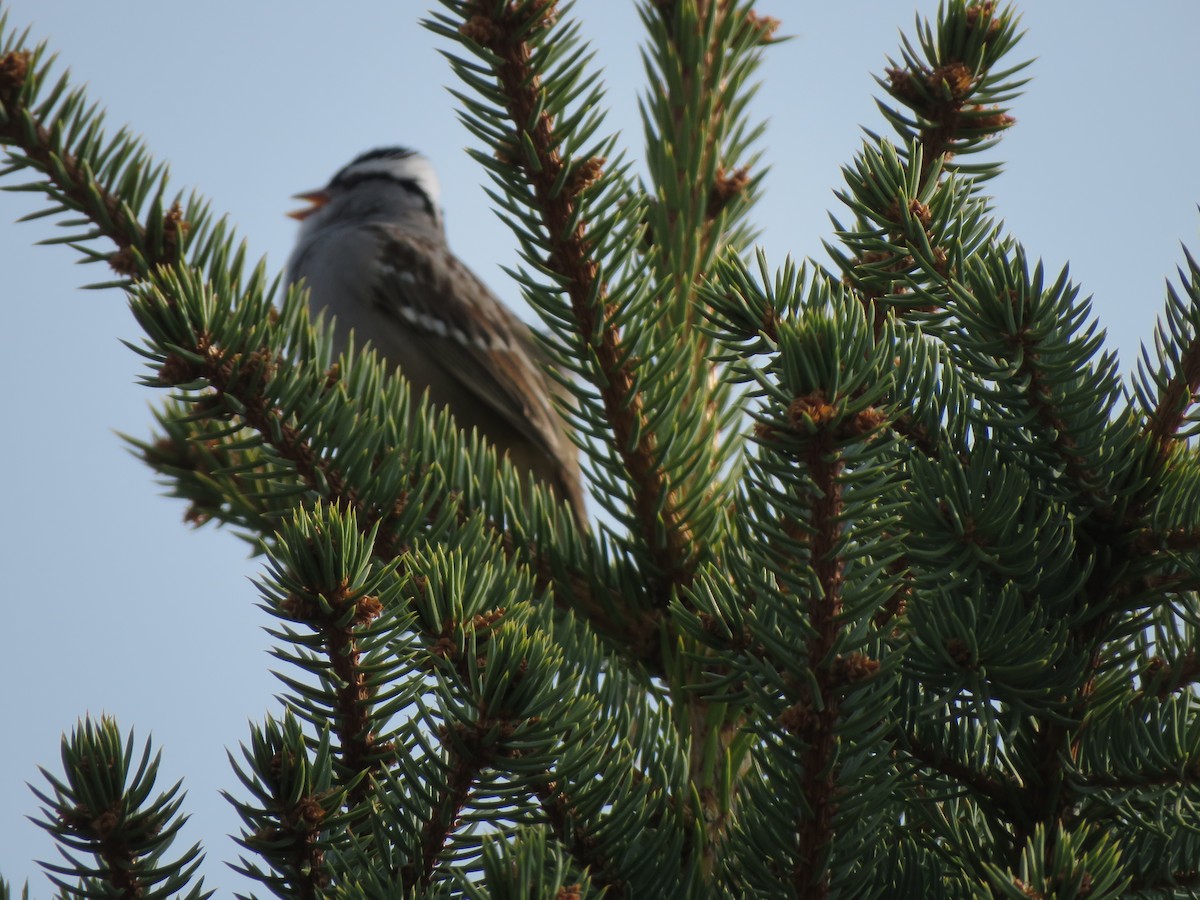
{"points": [[474, 339]]}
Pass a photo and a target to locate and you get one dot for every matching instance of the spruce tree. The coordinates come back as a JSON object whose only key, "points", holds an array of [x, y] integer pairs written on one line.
{"points": [[891, 595]]}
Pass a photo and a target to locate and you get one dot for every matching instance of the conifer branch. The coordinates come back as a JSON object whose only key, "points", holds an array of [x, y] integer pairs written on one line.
{"points": [[506, 32], [1162, 677], [353, 721], [469, 751], [488, 728], [1172, 777], [105, 809], [698, 147], [704, 54], [990, 786], [297, 815], [71, 183], [819, 448], [1058, 744], [1176, 385], [238, 380], [1178, 540], [917, 435], [1031, 351], [948, 92], [955, 107], [1124, 539], [819, 714], [573, 833], [1171, 883]]}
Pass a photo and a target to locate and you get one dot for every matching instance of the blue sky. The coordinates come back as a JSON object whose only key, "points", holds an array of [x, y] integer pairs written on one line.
{"points": [[112, 605]]}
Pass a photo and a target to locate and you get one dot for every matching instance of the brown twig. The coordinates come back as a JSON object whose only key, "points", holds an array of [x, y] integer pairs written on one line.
{"points": [[993, 788], [505, 33], [816, 834], [1176, 399], [571, 830]]}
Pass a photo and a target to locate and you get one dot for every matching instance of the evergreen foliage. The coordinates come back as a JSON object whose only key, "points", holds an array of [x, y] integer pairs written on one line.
{"points": [[895, 593]]}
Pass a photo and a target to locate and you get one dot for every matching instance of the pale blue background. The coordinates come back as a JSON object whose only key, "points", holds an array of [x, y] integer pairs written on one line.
{"points": [[111, 604]]}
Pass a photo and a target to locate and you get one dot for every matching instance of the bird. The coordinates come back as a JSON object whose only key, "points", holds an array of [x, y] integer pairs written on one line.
{"points": [[373, 253]]}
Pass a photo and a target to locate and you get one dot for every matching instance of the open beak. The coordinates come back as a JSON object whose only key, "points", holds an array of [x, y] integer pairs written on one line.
{"points": [[315, 200]]}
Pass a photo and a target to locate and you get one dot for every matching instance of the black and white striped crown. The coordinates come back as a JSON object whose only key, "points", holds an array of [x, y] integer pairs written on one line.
{"points": [[398, 164]]}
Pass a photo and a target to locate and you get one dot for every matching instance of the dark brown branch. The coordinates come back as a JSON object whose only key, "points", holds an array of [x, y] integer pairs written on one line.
{"points": [[571, 831], [815, 834], [63, 170], [360, 752], [991, 788], [303, 821], [917, 435], [1131, 782], [468, 755], [470, 748], [1173, 404], [1169, 885], [1048, 798], [1040, 396], [1185, 540], [504, 33], [1161, 678]]}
